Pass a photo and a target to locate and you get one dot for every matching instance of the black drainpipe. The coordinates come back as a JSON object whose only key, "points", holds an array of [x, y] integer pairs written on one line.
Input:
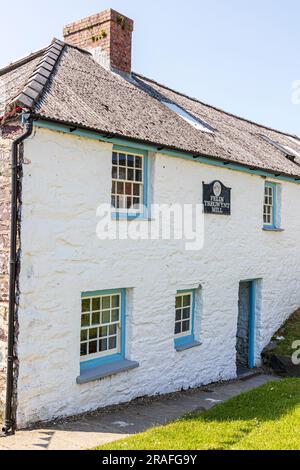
{"points": [[9, 426]]}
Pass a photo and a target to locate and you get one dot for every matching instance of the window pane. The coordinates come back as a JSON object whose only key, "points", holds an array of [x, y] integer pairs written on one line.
{"points": [[178, 315], [122, 173], [130, 175], [85, 305], [96, 304], [85, 320], [128, 189], [93, 333], [84, 335], [130, 161], [96, 318], [120, 188], [186, 313], [115, 158], [93, 347], [83, 349], [106, 317], [185, 326], [177, 328], [103, 345], [136, 189], [138, 162], [113, 330], [122, 159], [103, 332], [121, 202], [138, 175], [186, 300], [178, 302], [115, 172], [115, 301], [113, 342], [129, 202], [115, 315], [105, 302]]}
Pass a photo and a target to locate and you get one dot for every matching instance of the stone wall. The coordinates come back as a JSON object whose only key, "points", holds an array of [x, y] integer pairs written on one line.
{"points": [[7, 134], [5, 171], [63, 186]]}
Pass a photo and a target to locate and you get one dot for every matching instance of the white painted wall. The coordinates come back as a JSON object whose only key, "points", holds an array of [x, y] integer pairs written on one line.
{"points": [[65, 179]]}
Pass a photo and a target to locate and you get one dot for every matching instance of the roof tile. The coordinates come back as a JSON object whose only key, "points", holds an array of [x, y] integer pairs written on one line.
{"points": [[76, 90]]}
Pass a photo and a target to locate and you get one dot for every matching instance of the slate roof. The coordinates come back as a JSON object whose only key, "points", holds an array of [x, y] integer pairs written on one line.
{"points": [[64, 83]]}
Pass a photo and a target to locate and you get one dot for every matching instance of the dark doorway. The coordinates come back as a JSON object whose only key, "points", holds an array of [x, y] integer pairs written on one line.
{"points": [[246, 327]]}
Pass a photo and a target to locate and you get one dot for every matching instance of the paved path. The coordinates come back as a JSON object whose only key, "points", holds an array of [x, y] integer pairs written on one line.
{"points": [[103, 427]]}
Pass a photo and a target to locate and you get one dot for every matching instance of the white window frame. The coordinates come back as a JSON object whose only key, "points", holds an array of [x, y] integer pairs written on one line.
{"points": [[190, 319], [109, 352], [125, 210], [271, 197]]}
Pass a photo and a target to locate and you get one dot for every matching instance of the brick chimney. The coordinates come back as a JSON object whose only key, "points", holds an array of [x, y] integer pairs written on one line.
{"points": [[108, 35]]}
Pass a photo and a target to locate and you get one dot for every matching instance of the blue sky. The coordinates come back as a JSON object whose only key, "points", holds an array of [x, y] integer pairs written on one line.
{"points": [[242, 56]]}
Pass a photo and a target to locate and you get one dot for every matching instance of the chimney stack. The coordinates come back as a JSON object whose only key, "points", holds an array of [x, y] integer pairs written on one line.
{"points": [[108, 35]]}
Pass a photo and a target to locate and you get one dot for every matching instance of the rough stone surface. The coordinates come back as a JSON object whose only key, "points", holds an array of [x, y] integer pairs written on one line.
{"points": [[62, 257], [5, 173]]}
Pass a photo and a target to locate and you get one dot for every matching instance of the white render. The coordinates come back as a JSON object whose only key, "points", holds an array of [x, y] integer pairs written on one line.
{"points": [[65, 179]]}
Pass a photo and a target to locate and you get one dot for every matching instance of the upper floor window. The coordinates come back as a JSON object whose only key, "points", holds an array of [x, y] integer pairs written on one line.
{"points": [[129, 181], [270, 215]]}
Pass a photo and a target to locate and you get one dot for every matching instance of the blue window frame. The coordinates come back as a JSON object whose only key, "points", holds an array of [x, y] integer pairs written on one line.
{"points": [[103, 328], [185, 317], [129, 195], [270, 206]]}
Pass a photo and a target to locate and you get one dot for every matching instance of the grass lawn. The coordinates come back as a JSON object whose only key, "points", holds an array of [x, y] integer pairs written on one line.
{"points": [[267, 418], [291, 332]]}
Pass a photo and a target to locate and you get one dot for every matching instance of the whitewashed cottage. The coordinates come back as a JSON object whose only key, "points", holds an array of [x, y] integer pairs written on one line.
{"points": [[86, 322]]}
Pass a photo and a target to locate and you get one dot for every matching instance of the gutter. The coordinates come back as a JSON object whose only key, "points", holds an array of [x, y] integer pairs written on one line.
{"points": [[9, 426]]}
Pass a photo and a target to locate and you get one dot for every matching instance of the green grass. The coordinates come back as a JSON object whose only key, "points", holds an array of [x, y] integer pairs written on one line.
{"points": [[291, 332], [267, 418]]}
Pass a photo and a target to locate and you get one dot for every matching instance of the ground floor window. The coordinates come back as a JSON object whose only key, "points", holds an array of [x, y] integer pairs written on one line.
{"points": [[184, 317], [102, 324]]}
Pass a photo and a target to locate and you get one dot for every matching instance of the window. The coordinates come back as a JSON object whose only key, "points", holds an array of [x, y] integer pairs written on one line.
{"points": [[196, 123], [184, 317], [290, 152], [129, 181], [102, 325], [270, 206]]}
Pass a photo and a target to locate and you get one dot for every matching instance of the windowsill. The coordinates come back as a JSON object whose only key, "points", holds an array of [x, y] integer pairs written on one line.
{"points": [[106, 370], [186, 346], [272, 229]]}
